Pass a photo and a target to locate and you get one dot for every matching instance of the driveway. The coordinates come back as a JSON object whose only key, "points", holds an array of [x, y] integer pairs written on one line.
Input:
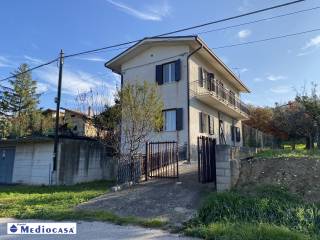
{"points": [[93, 231], [175, 201]]}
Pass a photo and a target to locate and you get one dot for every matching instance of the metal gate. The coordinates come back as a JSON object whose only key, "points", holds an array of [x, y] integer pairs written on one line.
{"points": [[206, 159], [161, 160], [6, 164]]}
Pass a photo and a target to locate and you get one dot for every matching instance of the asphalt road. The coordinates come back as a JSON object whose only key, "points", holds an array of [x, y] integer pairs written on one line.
{"points": [[93, 231]]}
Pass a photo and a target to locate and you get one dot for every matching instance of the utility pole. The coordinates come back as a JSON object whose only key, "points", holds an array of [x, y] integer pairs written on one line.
{"points": [[57, 101]]}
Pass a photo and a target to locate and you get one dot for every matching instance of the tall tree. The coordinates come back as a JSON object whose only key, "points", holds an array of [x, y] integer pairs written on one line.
{"points": [[24, 98]]}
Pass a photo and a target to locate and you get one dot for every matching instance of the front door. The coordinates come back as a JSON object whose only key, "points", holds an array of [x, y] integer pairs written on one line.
{"points": [[6, 164]]}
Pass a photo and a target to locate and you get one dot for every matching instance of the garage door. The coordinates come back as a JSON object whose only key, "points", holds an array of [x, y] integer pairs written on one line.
{"points": [[6, 164]]}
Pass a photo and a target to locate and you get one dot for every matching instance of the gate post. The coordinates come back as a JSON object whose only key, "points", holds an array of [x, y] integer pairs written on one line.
{"points": [[146, 162]]}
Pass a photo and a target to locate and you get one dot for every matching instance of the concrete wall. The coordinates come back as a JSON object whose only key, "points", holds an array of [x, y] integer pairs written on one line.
{"points": [[83, 161], [78, 161], [33, 163]]}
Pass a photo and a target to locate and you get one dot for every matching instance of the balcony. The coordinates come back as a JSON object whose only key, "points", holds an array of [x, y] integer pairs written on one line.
{"points": [[214, 94]]}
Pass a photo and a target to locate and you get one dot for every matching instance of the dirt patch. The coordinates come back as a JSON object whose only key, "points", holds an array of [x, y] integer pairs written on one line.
{"points": [[175, 201], [300, 175]]}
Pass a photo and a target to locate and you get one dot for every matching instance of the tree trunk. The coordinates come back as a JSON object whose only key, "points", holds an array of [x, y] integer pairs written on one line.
{"points": [[293, 145], [308, 143]]}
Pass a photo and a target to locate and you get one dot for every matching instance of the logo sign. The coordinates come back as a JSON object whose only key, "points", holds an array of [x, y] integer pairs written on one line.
{"points": [[60, 228]]}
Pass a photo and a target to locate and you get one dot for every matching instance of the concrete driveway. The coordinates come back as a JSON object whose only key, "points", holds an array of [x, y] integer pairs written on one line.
{"points": [[92, 231], [173, 200]]}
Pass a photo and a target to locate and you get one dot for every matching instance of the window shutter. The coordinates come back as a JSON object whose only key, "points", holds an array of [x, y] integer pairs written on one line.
{"points": [[200, 122], [179, 119], [238, 137], [200, 77], [232, 128], [159, 74], [211, 82], [211, 125], [177, 72]]}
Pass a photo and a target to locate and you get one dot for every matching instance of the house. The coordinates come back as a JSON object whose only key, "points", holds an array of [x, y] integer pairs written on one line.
{"points": [[80, 124], [29, 161], [201, 95]]}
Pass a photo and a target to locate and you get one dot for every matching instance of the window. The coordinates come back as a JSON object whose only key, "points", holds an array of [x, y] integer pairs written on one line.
{"points": [[238, 136], [169, 117], [206, 124], [168, 73], [235, 134]]}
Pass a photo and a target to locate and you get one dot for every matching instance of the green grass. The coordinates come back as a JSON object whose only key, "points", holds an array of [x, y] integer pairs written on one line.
{"points": [[58, 203], [287, 152], [245, 231], [261, 213]]}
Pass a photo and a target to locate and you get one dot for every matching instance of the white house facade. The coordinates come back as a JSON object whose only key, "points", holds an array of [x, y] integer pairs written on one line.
{"points": [[201, 95]]}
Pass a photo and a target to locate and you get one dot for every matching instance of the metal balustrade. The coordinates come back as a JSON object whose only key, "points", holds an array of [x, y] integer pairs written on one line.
{"points": [[218, 91]]}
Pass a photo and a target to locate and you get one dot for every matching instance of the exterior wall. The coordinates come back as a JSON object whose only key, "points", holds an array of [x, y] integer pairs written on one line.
{"points": [[33, 163], [174, 95], [83, 161], [196, 106]]}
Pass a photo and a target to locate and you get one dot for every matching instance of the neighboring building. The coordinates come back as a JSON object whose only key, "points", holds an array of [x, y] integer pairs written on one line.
{"points": [[201, 94], [29, 161], [81, 123]]}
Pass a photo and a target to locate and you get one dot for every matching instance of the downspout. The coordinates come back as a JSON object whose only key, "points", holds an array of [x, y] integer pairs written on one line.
{"points": [[188, 92]]}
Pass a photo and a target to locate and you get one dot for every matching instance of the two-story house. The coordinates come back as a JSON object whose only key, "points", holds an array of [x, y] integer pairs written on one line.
{"points": [[201, 95]]}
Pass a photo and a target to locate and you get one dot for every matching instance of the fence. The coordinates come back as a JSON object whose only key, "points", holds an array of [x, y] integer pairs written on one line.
{"points": [[255, 138]]}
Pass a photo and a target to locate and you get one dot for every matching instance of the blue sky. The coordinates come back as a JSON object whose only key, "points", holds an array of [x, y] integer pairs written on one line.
{"points": [[34, 31]]}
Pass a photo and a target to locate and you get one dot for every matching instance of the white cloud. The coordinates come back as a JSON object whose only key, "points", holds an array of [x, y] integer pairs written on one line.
{"points": [[5, 62], [33, 60], [244, 33], [243, 70], [313, 42], [244, 6], [281, 89], [42, 87], [276, 77], [151, 13], [92, 59]]}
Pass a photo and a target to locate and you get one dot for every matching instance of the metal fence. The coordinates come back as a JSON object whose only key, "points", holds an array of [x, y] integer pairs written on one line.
{"points": [[253, 137]]}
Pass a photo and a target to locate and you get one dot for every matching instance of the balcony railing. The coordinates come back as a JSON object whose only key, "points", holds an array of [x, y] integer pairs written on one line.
{"points": [[217, 90]]}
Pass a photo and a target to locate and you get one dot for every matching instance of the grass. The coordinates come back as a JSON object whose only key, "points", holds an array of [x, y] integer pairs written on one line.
{"points": [[261, 213], [59, 202], [287, 152]]}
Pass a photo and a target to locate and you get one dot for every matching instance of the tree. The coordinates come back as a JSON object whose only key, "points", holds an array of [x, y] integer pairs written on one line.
{"points": [[24, 98], [5, 126], [141, 110]]}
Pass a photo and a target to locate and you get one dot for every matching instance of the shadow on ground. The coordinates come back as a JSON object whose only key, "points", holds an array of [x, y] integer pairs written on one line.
{"points": [[172, 200]]}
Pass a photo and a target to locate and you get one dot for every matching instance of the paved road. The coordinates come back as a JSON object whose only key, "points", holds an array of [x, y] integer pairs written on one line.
{"points": [[93, 231]]}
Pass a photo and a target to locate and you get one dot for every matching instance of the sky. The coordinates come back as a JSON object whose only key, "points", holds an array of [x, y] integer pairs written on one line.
{"points": [[34, 31]]}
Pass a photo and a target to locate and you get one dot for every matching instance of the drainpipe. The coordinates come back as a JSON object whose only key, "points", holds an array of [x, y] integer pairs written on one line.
{"points": [[188, 92]]}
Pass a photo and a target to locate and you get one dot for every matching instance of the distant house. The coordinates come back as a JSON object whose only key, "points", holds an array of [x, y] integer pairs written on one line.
{"points": [[80, 124]]}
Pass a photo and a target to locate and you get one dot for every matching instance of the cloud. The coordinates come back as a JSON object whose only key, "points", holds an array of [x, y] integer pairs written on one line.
{"points": [[244, 33], [276, 77], [5, 62], [92, 59], [313, 42], [281, 89], [243, 70], [150, 13], [33, 60], [42, 87], [244, 6]]}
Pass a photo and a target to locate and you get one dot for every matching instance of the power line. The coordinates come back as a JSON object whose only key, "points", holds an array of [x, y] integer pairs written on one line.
{"points": [[259, 20], [30, 69], [189, 28], [268, 39], [163, 34]]}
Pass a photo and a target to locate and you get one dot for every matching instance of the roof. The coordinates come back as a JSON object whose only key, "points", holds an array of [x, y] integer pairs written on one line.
{"points": [[191, 40], [76, 112]]}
